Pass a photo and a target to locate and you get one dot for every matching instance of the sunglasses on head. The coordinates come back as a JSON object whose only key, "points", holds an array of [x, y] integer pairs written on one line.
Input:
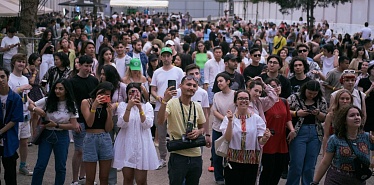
{"points": [[302, 50], [349, 71], [190, 77]]}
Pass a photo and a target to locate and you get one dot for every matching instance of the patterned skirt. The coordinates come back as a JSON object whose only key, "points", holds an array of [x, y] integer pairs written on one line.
{"points": [[336, 176]]}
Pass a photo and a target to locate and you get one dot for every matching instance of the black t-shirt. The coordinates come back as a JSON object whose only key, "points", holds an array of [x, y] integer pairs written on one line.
{"points": [[253, 71], [285, 83], [365, 83], [82, 87], [296, 84], [213, 37], [47, 50], [237, 82], [161, 36]]}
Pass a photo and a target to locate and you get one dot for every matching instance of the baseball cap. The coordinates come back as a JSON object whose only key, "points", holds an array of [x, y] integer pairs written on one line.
{"points": [[166, 49], [135, 64], [230, 57], [152, 57], [169, 42], [243, 49]]}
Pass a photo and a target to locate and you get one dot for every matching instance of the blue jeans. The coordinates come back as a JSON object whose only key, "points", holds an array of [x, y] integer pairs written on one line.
{"points": [[184, 169], [271, 48], [217, 160], [304, 150], [201, 82], [58, 141]]}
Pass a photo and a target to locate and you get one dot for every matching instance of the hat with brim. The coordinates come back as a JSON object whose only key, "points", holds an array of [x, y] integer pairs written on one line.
{"points": [[135, 64], [166, 49]]}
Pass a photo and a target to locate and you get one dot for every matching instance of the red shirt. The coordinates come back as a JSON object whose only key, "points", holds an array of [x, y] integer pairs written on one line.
{"points": [[276, 119]]}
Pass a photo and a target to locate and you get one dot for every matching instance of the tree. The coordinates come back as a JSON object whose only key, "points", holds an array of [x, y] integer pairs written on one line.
{"points": [[28, 17], [307, 6]]}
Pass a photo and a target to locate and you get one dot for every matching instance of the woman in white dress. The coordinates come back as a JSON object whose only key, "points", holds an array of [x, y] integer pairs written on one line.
{"points": [[134, 151]]}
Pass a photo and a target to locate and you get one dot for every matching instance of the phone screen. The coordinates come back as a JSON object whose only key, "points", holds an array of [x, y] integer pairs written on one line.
{"points": [[172, 83]]}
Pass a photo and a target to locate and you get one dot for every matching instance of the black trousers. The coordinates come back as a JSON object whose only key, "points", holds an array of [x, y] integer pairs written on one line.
{"points": [[272, 168], [240, 174], [9, 164]]}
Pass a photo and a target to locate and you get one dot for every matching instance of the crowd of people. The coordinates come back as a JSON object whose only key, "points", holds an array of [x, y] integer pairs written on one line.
{"points": [[129, 85]]}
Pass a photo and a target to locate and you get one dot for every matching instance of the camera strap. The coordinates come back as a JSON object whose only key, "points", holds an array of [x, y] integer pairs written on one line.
{"points": [[189, 113]]}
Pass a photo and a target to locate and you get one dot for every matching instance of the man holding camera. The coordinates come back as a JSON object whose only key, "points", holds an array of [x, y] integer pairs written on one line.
{"points": [[185, 121]]}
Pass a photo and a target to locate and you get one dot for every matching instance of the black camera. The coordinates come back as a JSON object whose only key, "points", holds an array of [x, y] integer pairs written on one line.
{"points": [[154, 49], [188, 130]]}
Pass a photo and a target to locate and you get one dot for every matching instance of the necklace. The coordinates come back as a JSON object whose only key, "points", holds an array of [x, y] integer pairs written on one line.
{"points": [[99, 110]]}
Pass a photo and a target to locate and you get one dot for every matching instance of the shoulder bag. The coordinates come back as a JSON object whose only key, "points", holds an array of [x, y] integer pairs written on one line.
{"points": [[362, 170], [221, 146], [181, 144]]}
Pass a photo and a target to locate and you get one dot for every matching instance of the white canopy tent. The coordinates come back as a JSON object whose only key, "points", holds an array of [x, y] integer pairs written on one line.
{"points": [[42, 9], [139, 3]]}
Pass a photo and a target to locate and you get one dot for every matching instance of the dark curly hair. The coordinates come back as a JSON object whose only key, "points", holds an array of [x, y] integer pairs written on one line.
{"points": [[52, 100], [311, 85], [305, 63], [340, 121]]}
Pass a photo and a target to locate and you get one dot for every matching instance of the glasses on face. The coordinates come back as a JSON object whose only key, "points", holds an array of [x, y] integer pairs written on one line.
{"points": [[257, 55], [273, 62], [243, 99], [302, 50], [349, 71]]}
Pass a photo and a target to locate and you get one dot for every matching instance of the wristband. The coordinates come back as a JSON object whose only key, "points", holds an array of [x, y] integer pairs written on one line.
{"points": [[142, 113], [164, 102], [116, 104], [295, 113], [314, 183], [128, 109], [333, 88], [57, 126], [207, 135], [34, 75], [93, 110]]}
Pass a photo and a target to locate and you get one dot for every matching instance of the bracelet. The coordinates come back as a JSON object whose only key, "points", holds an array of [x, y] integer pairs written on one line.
{"points": [[164, 102], [34, 75], [296, 113], [93, 110], [142, 113]]}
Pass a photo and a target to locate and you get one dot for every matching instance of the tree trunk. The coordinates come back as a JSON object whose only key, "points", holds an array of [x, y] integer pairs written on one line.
{"points": [[28, 17], [307, 15]]}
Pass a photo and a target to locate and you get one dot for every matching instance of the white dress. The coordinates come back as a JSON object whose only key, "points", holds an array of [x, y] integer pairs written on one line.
{"points": [[134, 147]]}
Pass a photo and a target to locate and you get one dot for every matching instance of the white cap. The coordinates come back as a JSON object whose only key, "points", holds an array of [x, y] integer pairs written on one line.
{"points": [[169, 42]]}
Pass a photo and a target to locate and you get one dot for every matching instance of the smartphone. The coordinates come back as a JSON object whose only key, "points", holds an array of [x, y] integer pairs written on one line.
{"points": [[172, 83], [44, 82], [44, 121], [106, 99]]}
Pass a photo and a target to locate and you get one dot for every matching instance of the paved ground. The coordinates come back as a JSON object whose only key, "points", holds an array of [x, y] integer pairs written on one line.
{"points": [[157, 177]]}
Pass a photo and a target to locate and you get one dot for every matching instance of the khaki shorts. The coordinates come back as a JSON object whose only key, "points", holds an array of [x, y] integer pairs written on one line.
{"points": [[24, 130]]}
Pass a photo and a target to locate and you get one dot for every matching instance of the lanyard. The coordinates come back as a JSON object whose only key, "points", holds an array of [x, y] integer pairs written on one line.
{"points": [[189, 113]]}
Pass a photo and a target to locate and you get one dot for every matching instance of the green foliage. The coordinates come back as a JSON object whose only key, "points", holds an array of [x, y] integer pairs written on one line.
{"points": [[287, 5]]}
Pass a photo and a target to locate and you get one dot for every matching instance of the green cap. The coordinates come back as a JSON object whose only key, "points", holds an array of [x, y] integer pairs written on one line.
{"points": [[135, 64], [166, 49]]}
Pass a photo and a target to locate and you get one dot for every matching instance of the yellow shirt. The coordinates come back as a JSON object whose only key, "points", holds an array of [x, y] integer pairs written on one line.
{"points": [[283, 43], [177, 126]]}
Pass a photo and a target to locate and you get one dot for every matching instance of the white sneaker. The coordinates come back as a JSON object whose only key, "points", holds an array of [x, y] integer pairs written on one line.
{"points": [[74, 183], [162, 164]]}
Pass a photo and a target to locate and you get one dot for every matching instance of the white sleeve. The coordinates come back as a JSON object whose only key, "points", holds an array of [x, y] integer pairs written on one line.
{"points": [[41, 103], [149, 116], [224, 124]]}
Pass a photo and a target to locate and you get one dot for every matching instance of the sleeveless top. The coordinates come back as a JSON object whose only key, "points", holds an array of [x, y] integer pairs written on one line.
{"points": [[100, 117], [201, 59]]}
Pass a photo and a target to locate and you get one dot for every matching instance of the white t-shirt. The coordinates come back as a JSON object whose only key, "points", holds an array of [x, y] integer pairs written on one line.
{"points": [[99, 40], [3, 101], [366, 32], [160, 80], [146, 47], [61, 116], [211, 69], [15, 82], [200, 96], [9, 41], [328, 64], [328, 33], [121, 64]]}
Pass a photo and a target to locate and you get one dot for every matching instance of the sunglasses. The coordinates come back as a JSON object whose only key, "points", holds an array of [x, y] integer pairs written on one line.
{"points": [[349, 71], [190, 77], [302, 51], [257, 55], [273, 62]]}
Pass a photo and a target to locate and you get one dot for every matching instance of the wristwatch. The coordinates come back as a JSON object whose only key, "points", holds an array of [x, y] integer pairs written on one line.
{"points": [[57, 126]]}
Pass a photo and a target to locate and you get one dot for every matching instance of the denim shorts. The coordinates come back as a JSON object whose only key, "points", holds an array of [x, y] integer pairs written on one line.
{"points": [[210, 95], [97, 147], [78, 137]]}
